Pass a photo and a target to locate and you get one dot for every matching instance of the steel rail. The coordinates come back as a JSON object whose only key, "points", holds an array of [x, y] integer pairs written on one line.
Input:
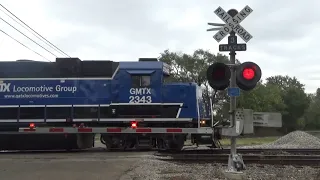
{"points": [[303, 151], [305, 160]]}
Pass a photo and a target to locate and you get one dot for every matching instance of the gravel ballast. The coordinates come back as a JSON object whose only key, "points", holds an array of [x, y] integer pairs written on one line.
{"points": [[296, 139], [151, 169], [159, 170]]}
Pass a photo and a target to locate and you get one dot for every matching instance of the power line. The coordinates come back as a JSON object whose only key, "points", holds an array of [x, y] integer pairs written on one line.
{"points": [[23, 44], [28, 30], [27, 36], [46, 41]]}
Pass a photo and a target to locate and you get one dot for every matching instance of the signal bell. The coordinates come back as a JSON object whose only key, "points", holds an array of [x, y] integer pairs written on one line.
{"points": [[218, 75], [248, 74]]}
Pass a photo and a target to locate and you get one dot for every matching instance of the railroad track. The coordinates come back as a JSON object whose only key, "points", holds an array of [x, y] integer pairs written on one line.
{"points": [[50, 151], [184, 151], [295, 160], [244, 151], [92, 150], [295, 157]]}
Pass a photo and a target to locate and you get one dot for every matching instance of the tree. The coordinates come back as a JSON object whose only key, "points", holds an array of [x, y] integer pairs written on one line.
{"points": [[264, 98], [312, 115], [285, 82], [190, 68], [295, 99], [193, 68]]}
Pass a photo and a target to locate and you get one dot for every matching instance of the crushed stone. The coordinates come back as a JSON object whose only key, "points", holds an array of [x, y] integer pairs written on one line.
{"points": [[295, 139], [151, 169]]}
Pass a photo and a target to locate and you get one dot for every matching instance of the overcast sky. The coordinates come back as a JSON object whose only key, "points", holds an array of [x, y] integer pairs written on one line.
{"points": [[285, 34]]}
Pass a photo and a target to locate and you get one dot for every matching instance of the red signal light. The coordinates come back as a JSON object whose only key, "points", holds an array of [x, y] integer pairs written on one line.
{"points": [[31, 125], [133, 125], [248, 73]]}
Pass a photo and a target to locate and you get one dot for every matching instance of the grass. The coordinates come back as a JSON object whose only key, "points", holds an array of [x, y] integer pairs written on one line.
{"points": [[249, 141]]}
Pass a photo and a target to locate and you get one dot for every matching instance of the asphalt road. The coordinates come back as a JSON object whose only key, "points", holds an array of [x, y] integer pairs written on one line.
{"points": [[69, 166], [97, 165]]}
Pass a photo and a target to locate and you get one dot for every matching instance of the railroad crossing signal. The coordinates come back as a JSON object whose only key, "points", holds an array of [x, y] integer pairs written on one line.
{"points": [[233, 24], [245, 75], [248, 74]]}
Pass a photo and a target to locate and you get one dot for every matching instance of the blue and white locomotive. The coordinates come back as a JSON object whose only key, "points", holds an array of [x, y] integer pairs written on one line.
{"points": [[63, 104]]}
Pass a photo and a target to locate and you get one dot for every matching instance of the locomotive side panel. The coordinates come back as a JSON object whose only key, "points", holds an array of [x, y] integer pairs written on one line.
{"points": [[183, 94], [35, 91], [54, 92]]}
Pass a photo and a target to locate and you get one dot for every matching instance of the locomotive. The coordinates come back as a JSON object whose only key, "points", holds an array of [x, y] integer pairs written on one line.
{"points": [[64, 104]]}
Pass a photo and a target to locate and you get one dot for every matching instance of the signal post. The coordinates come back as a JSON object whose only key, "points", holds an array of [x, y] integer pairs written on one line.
{"points": [[244, 76]]}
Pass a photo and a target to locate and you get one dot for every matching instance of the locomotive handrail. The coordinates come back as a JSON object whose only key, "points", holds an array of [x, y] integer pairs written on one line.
{"points": [[50, 115]]}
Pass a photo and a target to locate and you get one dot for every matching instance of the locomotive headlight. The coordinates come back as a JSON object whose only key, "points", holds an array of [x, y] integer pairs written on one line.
{"points": [[202, 122]]}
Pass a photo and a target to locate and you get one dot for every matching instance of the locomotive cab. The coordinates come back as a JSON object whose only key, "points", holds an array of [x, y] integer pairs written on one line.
{"points": [[137, 90]]}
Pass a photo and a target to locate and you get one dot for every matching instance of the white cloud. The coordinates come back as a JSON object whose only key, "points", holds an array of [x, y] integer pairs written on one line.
{"points": [[285, 34]]}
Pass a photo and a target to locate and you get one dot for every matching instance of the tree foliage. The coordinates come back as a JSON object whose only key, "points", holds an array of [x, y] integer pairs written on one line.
{"points": [[277, 94], [193, 68], [296, 101]]}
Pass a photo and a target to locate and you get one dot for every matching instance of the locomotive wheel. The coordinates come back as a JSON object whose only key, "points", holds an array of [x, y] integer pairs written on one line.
{"points": [[176, 145], [173, 144], [114, 143]]}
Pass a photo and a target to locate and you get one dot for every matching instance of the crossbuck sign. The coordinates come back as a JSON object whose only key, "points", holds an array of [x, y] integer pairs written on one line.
{"points": [[232, 23]]}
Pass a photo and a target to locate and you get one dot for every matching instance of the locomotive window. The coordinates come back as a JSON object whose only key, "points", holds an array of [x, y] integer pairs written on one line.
{"points": [[135, 81], [141, 80], [145, 81], [167, 79]]}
